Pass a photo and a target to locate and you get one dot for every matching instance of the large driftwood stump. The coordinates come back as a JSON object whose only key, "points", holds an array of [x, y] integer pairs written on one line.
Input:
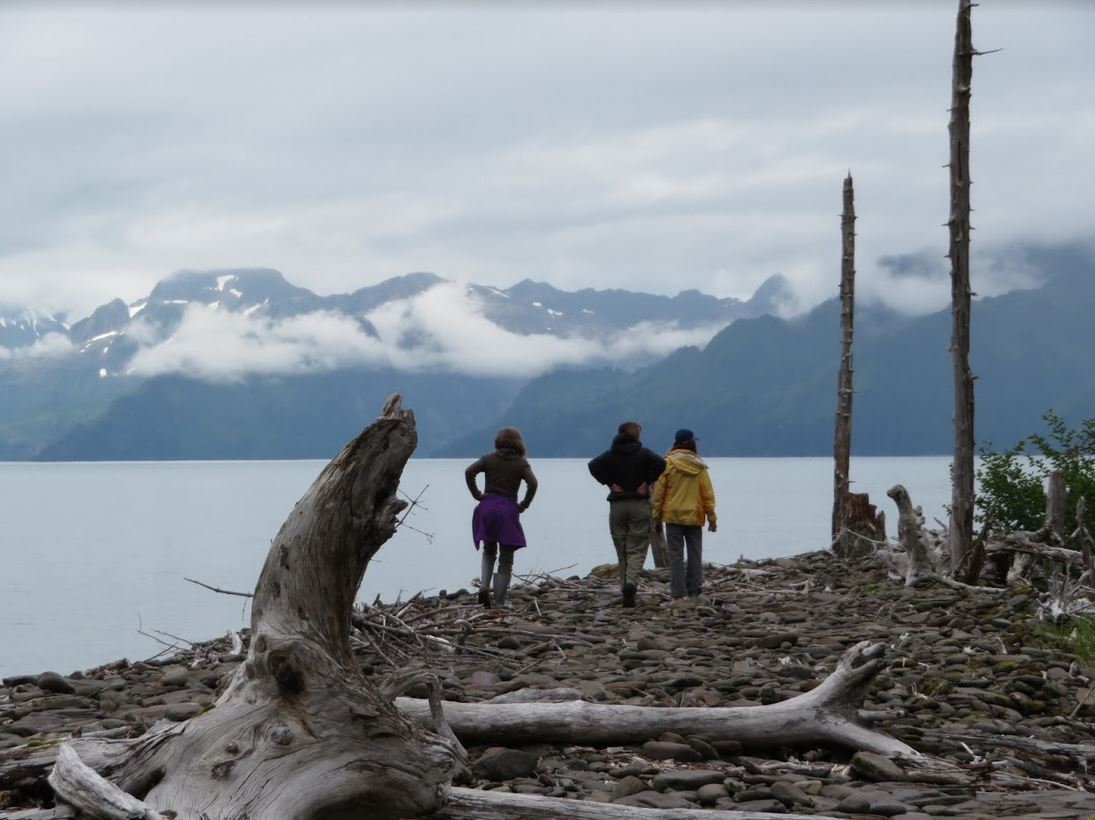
{"points": [[301, 733]]}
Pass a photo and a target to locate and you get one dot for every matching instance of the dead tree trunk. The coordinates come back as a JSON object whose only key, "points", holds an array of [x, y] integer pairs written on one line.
{"points": [[961, 517], [300, 733], [842, 440]]}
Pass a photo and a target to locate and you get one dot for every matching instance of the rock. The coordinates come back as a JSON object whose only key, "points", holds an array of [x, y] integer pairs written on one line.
{"points": [[655, 800], [854, 804], [627, 786], [876, 767], [790, 795], [686, 779], [710, 794], [175, 677], [662, 750], [499, 763], [52, 682]]}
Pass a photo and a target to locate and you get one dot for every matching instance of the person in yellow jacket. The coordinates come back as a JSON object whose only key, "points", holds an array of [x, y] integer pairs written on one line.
{"points": [[683, 498]]}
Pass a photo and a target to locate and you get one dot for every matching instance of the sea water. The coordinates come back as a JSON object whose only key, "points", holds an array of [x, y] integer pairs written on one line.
{"points": [[94, 556]]}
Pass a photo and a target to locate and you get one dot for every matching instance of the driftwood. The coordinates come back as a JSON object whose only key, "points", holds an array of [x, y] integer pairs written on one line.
{"points": [[864, 527], [842, 438], [916, 563], [961, 513], [471, 804], [301, 734], [827, 714]]}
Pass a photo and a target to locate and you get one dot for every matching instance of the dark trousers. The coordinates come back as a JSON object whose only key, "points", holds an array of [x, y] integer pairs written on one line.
{"points": [[684, 577]]}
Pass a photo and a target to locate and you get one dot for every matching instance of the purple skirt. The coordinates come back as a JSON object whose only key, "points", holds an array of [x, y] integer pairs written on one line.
{"points": [[497, 519]]}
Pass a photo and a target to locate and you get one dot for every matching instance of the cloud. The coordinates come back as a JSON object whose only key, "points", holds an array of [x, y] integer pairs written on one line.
{"points": [[50, 346], [442, 328], [918, 282], [657, 147]]}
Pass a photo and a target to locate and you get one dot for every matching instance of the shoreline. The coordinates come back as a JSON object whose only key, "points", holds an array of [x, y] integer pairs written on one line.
{"points": [[966, 676]]}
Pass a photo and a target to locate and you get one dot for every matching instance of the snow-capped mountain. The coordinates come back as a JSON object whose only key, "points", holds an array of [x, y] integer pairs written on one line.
{"points": [[23, 327], [207, 336]]}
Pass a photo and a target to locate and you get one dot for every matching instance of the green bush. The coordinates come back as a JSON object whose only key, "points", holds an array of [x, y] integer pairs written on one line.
{"points": [[1012, 492]]}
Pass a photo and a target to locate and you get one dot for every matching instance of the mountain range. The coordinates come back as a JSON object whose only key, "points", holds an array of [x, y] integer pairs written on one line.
{"points": [[155, 379], [767, 386], [151, 379]]}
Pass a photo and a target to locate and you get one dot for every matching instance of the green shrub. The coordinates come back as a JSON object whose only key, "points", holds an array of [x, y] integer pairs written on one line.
{"points": [[1012, 492]]}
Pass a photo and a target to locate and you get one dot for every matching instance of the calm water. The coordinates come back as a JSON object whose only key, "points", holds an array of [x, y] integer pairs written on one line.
{"points": [[91, 552]]}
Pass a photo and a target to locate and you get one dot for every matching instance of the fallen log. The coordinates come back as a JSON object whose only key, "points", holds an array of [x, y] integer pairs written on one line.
{"points": [[826, 715], [472, 804]]}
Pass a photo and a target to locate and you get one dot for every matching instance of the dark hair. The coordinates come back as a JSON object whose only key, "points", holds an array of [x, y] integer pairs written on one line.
{"points": [[684, 445], [630, 428], [509, 438]]}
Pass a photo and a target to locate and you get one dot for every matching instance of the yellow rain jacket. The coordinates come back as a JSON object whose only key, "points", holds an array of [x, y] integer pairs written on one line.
{"points": [[683, 493]]}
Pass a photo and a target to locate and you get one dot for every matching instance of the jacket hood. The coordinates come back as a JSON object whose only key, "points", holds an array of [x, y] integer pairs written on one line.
{"points": [[626, 445], [685, 462], [507, 453]]}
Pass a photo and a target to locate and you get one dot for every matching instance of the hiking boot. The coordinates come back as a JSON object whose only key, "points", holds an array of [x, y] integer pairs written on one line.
{"points": [[484, 598], [629, 595]]}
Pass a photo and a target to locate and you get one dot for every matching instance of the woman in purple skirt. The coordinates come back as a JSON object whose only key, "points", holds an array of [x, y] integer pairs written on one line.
{"points": [[496, 520]]}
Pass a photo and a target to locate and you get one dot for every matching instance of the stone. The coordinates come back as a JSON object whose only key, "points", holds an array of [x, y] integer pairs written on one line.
{"points": [[876, 767], [790, 795], [52, 682], [627, 786], [661, 750], [499, 763], [686, 779], [655, 800], [710, 794], [854, 804]]}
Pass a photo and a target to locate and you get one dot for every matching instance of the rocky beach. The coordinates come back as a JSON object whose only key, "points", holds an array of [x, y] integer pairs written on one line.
{"points": [[972, 679]]}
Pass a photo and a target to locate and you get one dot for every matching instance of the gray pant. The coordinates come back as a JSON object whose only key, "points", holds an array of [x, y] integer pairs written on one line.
{"points": [[629, 523], [505, 568], [684, 580]]}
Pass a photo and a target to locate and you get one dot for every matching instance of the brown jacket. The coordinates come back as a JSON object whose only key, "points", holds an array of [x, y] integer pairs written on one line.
{"points": [[505, 470]]}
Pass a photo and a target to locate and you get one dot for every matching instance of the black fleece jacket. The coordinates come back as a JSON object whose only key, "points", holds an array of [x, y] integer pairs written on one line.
{"points": [[628, 465]]}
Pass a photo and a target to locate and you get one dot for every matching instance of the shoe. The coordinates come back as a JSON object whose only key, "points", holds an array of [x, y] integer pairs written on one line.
{"points": [[680, 603], [629, 595], [484, 598]]}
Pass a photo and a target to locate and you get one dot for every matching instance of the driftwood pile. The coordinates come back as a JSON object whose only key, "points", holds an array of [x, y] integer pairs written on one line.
{"points": [[865, 697]]}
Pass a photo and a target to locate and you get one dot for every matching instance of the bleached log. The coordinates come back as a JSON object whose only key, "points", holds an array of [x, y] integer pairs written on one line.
{"points": [[473, 804], [82, 787], [910, 525], [827, 714]]}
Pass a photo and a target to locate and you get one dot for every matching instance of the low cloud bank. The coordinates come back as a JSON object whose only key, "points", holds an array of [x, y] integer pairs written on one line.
{"points": [[441, 329], [50, 346]]}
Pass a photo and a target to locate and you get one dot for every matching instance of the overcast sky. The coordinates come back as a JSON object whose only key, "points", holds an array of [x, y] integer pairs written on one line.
{"points": [[647, 146]]}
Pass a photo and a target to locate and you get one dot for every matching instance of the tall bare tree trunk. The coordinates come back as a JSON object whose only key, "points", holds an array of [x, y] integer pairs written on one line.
{"points": [[961, 514], [842, 441]]}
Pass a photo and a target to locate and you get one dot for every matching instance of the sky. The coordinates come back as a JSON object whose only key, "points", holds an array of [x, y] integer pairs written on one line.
{"points": [[645, 146]]}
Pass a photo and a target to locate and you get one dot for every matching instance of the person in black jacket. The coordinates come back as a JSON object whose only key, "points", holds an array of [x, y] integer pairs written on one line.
{"points": [[629, 470]]}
